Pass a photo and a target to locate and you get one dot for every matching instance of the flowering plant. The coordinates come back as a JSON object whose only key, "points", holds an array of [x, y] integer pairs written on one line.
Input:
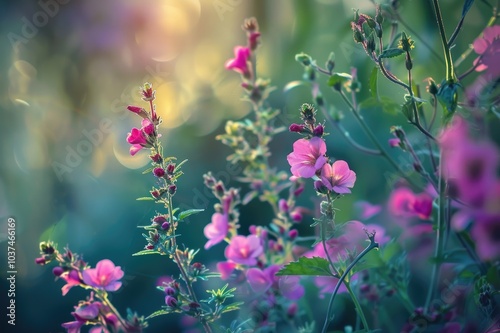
{"points": [[448, 202]]}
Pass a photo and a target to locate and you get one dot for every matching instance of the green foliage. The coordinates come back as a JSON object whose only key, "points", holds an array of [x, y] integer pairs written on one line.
{"points": [[189, 212], [391, 53], [314, 266]]}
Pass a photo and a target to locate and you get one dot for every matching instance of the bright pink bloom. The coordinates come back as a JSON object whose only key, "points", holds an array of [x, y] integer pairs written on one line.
{"points": [[136, 137], [72, 279], [217, 230], [147, 127], [244, 250], [338, 177], [240, 62], [105, 276], [488, 47], [307, 157], [404, 203]]}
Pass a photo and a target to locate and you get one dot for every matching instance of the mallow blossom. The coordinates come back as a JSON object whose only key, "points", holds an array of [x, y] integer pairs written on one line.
{"points": [[244, 250], [217, 230], [338, 177], [105, 276], [307, 157]]}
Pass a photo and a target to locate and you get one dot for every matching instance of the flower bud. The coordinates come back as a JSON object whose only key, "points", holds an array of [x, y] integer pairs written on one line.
{"points": [[292, 234], [159, 172], [165, 226], [318, 131], [171, 301], [283, 205], [170, 291], [40, 261], [297, 128], [330, 63], [170, 168], [308, 112], [156, 158], [138, 110], [296, 216], [292, 310], [172, 189], [57, 271], [303, 58]]}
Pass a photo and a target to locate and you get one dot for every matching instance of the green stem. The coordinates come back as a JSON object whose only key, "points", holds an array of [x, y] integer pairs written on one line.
{"points": [[373, 138], [180, 265], [104, 297], [359, 309], [450, 74], [371, 246], [438, 250]]}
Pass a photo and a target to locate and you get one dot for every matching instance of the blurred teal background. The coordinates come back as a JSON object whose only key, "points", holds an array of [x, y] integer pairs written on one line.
{"points": [[66, 174]]}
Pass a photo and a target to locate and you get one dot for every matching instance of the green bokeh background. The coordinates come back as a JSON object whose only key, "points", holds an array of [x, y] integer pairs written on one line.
{"points": [[85, 64]]}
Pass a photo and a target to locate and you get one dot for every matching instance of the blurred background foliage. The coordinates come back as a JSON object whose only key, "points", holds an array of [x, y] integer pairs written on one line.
{"points": [[66, 174]]}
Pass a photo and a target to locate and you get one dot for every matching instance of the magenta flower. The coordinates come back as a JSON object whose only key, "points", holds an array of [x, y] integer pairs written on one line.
{"points": [[262, 280], [138, 138], [367, 210], [488, 48], [404, 203], [105, 276], [394, 142], [307, 157], [244, 250], [217, 230], [225, 269], [72, 279], [240, 61], [338, 177]]}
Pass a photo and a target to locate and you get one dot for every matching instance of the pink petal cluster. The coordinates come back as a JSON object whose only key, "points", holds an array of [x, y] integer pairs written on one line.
{"points": [[72, 279], [105, 276], [338, 177], [217, 230], [404, 203], [139, 138], [307, 157], [244, 250], [240, 61]]}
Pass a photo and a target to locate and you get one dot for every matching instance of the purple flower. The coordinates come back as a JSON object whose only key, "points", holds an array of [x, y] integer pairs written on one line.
{"points": [[217, 230], [307, 157], [244, 250], [240, 61], [105, 276], [262, 280], [404, 203], [72, 279], [367, 210], [225, 269], [138, 138], [486, 235], [338, 177]]}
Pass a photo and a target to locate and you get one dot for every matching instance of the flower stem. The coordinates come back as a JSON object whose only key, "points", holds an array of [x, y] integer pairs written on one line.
{"points": [[180, 265], [450, 73], [371, 246], [104, 297], [438, 250], [359, 309]]}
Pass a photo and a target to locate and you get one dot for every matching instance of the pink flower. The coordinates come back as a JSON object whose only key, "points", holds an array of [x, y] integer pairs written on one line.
{"points": [[72, 279], [105, 276], [217, 230], [455, 134], [240, 62], [307, 157], [488, 47], [244, 250], [138, 138], [262, 280], [404, 203], [338, 177], [394, 142], [225, 269]]}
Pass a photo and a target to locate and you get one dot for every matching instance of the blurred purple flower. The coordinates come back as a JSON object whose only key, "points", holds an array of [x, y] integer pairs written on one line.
{"points": [[488, 48], [217, 230], [404, 203], [367, 210]]}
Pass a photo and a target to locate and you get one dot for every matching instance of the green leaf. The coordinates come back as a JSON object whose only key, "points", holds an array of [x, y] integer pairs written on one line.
{"points": [[178, 166], [293, 84], [145, 252], [391, 53], [314, 266], [148, 170], [158, 313], [189, 212], [339, 78], [145, 199], [373, 83], [232, 307]]}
